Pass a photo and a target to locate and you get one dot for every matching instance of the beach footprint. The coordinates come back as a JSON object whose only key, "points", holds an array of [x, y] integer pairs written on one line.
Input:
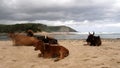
{"points": [[118, 62], [86, 59], [14, 60], [4, 48], [95, 57], [102, 65], [105, 67], [2, 57], [32, 66]]}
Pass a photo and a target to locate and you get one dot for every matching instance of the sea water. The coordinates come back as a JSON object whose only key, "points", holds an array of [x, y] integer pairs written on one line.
{"points": [[84, 36], [76, 36]]}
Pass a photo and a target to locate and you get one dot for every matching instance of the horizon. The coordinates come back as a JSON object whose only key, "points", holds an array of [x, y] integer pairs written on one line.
{"points": [[84, 25]]}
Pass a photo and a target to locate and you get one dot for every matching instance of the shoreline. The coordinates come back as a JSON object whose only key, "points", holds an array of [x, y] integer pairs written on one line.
{"points": [[73, 40], [67, 36], [103, 39]]}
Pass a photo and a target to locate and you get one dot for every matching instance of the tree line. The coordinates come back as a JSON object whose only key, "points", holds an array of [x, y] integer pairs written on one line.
{"points": [[22, 27], [35, 27]]}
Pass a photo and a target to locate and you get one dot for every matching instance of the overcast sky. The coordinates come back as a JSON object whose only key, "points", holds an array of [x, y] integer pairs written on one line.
{"points": [[82, 15]]}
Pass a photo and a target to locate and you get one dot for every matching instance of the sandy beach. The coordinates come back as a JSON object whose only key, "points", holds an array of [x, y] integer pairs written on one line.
{"points": [[81, 56]]}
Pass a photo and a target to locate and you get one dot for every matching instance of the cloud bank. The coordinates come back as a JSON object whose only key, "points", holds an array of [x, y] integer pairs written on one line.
{"points": [[82, 15]]}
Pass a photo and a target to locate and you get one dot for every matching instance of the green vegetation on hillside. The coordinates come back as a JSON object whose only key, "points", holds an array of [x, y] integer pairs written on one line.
{"points": [[34, 27]]}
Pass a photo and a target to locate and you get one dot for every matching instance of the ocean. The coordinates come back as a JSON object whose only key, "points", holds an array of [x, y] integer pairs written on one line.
{"points": [[75, 36], [84, 36]]}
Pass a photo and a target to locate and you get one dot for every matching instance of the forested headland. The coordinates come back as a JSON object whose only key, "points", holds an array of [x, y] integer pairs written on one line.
{"points": [[36, 27]]}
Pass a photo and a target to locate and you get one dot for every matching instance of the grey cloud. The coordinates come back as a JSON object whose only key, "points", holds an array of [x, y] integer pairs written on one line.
{"points": [[78, 10]]}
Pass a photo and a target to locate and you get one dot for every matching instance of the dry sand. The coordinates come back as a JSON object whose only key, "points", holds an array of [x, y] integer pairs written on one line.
{"points": [[105, 56]]}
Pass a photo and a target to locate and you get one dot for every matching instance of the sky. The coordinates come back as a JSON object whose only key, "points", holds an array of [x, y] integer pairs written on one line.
{"points": [[81, 15]]}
